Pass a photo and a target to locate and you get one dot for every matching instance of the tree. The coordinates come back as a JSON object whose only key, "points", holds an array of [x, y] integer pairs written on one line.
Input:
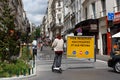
{"points": [[9, 42], [37, 32]]}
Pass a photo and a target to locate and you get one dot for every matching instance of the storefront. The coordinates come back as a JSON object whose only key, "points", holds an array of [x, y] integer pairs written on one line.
{"points": [[116, 24], [114, 28], [88, 28], [102, 38]]}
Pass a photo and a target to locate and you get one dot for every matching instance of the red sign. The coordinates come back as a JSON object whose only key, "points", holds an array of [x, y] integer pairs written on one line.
{"points": [[80, 52], [116, 18]]}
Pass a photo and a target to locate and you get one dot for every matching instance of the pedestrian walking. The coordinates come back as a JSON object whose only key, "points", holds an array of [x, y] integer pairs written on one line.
{"points": [[41, 48], [34, 47], [39, 45], [115, 46], [57, 44]]}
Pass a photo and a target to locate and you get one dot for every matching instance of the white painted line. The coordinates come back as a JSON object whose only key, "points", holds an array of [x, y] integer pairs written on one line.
{"points": [[101, 61]]}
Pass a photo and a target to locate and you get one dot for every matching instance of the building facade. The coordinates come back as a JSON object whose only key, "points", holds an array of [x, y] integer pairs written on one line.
{"points": [[57, 23], [90, 16], [20, 20]]}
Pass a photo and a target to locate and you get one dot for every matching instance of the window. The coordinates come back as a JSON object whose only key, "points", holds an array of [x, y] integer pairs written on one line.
{"points": [[59, 20], [59, 3], [72, 1], [59, 10], [118, 4], [103, 2], [86, 13], [94, 10], [59, 17]]}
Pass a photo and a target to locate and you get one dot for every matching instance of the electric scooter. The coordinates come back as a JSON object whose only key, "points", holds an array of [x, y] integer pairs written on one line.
{"points": [[56, 69]]}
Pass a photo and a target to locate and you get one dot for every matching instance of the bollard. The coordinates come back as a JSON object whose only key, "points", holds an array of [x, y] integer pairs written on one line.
{"points": [[32, 71], [17, 73], [10, 74], [29, 71], [24, 72]]}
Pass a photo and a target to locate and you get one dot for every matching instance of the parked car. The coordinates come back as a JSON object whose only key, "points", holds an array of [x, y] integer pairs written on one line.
{"points": [[114, 62]]}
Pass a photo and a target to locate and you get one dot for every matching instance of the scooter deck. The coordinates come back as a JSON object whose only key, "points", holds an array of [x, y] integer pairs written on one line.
{"points": [[59, 70]]}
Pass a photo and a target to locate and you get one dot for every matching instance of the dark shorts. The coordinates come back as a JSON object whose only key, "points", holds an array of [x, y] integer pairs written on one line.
{"points": [[58, 52]]}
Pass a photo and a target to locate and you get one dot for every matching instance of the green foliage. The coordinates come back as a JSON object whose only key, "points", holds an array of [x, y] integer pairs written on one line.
{"points": [[32, 37], [29, 38], [18, 68], [10, 65], [37, 32], [8, 37], [6, 19], [23, 37], [26, 56]]}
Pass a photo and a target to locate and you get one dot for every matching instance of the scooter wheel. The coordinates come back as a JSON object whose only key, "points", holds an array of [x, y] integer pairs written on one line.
{"points": [[60, 71], [52, 69]]}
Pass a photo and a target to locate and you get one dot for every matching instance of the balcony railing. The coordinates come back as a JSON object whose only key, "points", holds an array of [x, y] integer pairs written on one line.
{"points": [[93, 16], [59, 24]]}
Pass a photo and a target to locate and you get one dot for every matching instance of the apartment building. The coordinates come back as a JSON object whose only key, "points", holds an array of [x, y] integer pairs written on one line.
{"points": [[90, 16], [43, 27], [20, 15], [94, 19], [72, 16], [21, 22], [49, 19], [67, 17], [57, 24]]}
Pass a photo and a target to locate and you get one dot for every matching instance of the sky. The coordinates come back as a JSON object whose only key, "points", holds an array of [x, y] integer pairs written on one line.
{"points": [[35, 10]]}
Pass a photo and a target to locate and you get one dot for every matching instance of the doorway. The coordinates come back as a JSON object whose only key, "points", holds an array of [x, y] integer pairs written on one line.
{"points": [[104, 43]]}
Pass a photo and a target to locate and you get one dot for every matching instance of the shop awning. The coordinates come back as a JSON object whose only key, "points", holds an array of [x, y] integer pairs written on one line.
{"points": [[86, 23], [117, 35]]}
